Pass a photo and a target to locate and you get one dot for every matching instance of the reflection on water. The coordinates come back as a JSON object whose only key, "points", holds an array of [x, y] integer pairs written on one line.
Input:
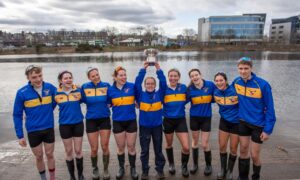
{"points": [[282, 74]]}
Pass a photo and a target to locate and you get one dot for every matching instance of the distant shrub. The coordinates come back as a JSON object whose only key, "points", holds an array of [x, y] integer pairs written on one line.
{"points": [[88, 48]]}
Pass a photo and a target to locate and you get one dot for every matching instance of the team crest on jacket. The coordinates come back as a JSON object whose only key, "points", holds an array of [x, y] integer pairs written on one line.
{"points": [[75, 96], [103, 91], [126, 90], [252, 92], [46, 92], [205, 89]]}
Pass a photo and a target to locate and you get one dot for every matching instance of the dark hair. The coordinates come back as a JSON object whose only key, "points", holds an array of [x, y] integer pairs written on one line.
{"points": [[223, 75], [192, 70], [61, 74], [175, 70], [33, 68]]}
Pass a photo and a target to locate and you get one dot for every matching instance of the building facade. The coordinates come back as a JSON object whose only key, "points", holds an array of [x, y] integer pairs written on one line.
{"points": [[285, 31], [231, 29]]}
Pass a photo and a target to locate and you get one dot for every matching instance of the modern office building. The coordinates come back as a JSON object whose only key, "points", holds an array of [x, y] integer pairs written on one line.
{"points": [[231, 29], [285, 31]]}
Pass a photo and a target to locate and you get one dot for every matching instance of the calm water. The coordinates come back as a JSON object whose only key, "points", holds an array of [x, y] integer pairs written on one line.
{"points": [[280, 69]]}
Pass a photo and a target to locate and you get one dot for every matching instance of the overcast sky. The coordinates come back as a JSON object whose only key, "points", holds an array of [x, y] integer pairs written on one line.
{"points": [[171, 15]]}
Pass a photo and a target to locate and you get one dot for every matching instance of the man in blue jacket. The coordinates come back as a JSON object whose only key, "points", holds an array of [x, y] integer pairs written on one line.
{"points": [[256, 114], [37, 100]]}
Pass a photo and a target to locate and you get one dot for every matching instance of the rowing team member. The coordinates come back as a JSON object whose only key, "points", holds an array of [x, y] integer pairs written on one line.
{"points": [[246, 109]]}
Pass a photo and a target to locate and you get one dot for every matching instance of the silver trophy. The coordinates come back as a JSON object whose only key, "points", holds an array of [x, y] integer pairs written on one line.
{"points": [[151, 56]]}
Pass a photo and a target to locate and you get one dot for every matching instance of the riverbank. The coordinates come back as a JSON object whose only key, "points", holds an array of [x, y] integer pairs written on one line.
{"points": [[280, 157], [208, 48]]}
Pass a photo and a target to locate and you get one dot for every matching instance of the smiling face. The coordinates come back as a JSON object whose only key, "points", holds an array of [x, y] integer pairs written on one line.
{"points": [[195, 77], [150, 84], [173, 77], [66, 81], [220, 82], [94, 76], [121, 77], [245, 71], [35, 79]]}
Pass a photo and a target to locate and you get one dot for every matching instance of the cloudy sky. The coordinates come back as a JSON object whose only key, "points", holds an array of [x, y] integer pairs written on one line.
{"points": [[171, 15]]}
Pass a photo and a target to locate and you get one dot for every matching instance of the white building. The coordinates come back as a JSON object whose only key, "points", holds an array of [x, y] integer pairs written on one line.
{"points": [[285, 31]]}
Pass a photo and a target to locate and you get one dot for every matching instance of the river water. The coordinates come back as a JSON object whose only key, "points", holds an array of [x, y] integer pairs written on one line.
{"points": [[281, 69]]}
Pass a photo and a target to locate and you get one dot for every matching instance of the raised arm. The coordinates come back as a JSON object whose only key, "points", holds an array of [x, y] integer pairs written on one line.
{"points": [[139, 80], [162, 80]]}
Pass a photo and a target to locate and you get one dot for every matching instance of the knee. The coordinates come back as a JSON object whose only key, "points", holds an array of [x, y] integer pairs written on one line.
{"points": [[243, 149], [39, 157], [105, 148], [131, 149], [94, 151], [233, 150], [186, 149], [78, 153], [205, 146], [255, 158], [50, 155], [223, 148]]}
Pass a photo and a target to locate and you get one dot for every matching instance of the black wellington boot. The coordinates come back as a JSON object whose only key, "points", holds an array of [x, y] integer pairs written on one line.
{"points": [[121, 172], [96, 174], [230, 166], [256, 172], [133, 172], [195, 160], [184, 164], [71, 168], [223, 159], [170, 156], [244, 166], [79, 165], [208, 167]]}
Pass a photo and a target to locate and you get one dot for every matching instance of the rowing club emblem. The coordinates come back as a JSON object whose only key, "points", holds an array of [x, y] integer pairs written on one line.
{"points": [[46, 92]]}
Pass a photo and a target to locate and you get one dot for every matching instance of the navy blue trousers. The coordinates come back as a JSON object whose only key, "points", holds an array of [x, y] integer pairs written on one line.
{"points": [[145, 139]]}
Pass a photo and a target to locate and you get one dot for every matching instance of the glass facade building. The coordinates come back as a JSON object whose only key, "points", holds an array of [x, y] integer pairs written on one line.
{"points": [[247, 27]]}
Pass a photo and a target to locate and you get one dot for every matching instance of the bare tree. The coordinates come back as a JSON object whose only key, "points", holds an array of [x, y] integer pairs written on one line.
{"points": [[112, 33], [188, 34], [150, 33]]}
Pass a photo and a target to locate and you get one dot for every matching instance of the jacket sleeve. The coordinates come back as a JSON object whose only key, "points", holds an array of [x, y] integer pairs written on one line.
{"points": [[18, 115], [108, 100], [54, 90], [270, 117], [83, 96], [162, 83], [138, 83], [213, 92]]}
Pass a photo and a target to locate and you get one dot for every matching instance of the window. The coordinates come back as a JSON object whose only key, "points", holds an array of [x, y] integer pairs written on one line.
{"points": [[280, 32], [273, 27], [280, 27]]}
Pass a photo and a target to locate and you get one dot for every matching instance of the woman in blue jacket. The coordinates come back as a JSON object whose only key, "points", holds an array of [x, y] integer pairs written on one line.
{"points": [[122, 99], [150, 118], [226, 97], [175, 121], [68, 98], [98, 125], [200, 94]]}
